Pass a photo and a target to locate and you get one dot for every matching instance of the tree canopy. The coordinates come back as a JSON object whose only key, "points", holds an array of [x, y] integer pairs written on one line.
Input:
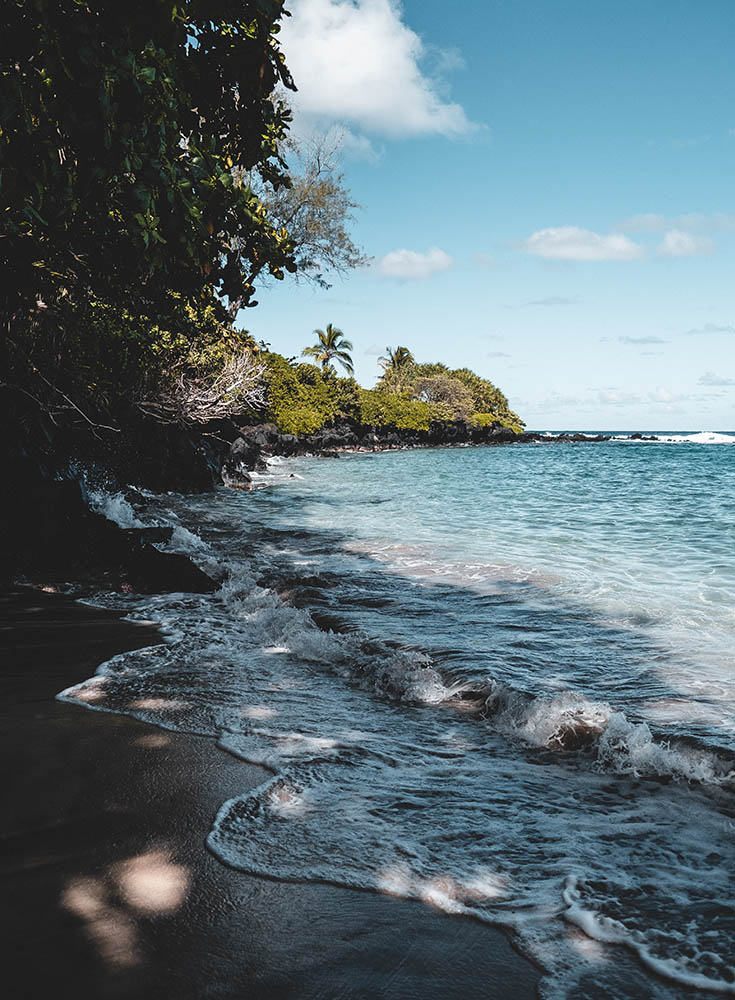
{"points": [[331, 346], [316, 210], [455, 394], [397, 365], [121, 130]]}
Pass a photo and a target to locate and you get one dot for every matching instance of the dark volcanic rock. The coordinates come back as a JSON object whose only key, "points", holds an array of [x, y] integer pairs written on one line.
{"points": [[245, 456], [158, 533], [152, 572], [49, 531]]}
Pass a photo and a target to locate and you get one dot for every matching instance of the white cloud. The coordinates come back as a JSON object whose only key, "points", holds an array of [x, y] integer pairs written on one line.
{"points": [[357, 62], [649, 222], [573, 243], [677, 243], [373, 351], [663, 395], [690, 141], [616, 397], [408, 265], [710, 378]]}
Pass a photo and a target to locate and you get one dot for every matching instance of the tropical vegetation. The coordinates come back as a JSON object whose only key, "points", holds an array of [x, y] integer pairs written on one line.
{"points": [[303, 398], [331, 346], [145, 190]]}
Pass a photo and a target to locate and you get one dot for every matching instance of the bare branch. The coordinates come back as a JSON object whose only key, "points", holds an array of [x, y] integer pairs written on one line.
{"points": [[192, 398]]}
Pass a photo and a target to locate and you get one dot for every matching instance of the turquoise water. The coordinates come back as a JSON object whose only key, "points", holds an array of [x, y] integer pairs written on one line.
{"points": [[631, 537], [497, 680]]}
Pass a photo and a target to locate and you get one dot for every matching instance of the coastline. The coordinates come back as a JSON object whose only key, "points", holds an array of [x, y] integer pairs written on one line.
{"points": [[110, 890]]}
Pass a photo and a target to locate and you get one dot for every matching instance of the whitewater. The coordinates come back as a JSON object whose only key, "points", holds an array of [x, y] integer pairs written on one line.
{"points": [[498, 680]]}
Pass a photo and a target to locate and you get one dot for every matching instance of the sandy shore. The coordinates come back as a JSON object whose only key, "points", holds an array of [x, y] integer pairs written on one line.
{"points": [[109, 891]]}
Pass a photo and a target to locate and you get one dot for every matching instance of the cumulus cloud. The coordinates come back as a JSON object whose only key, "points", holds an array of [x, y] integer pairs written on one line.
{"points": [[642, 340], [710, 378], [663, 395], [357, 62], [648, 222], [374, 351], [408, 265], [677, 243], [709, 328], [573, 243]]}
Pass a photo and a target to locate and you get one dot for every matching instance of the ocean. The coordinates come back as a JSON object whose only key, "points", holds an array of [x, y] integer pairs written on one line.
{"points": [[498, 680]]}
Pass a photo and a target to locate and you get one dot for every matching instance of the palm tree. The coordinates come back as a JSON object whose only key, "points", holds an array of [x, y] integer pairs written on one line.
{"points": [[331, 344], [396, 365]]}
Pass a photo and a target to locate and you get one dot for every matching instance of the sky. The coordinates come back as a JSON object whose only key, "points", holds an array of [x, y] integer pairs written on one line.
{"points": [[546, 194]]}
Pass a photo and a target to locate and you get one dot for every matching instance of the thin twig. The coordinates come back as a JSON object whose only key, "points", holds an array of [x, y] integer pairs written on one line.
{"points": [[9, 385], [74, 406]]}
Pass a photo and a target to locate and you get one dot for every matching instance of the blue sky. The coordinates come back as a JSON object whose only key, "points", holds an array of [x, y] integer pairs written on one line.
{"points": [[547, 196]]}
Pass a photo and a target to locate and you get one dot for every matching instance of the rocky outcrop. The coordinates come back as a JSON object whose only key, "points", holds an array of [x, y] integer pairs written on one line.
{"points": [[48, 530], [254, 444], [50, 533]]}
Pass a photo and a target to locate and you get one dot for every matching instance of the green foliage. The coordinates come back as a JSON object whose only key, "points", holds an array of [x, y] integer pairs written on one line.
{"points": [[347, 398], [125, 130], [397, 368], [111, 355], [303, 398], [389, 409], [452, 398], [316, 211], [455, 393], [331, 345], [486, 397], [483, 419]]}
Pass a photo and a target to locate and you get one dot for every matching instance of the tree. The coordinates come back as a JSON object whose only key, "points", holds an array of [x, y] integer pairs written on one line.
{"points": [[397, 365], [331, 345], [452, 398], [125, 131], [315, 209]]}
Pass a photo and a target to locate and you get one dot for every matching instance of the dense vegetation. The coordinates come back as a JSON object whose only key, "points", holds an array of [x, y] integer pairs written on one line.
{"points": [[145, 189], [130, 135], [303, 398]]}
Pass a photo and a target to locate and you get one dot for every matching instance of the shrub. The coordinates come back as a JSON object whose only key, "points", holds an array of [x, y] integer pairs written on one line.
{"points": [[483, 419], [382, 409], [299, 398]]}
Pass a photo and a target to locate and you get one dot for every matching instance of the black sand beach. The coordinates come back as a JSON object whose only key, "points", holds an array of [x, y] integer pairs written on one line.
{"points": [[109, 891]]}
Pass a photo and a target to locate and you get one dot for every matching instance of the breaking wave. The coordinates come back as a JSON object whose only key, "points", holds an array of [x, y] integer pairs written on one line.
{"points": [[407, 768]]}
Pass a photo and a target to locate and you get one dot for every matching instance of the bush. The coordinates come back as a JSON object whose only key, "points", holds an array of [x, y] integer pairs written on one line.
{"points": [[383, 409], [488, 419]]}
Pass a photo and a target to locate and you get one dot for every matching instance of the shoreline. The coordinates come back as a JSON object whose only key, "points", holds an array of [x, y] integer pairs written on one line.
{"points": [[111, 890]]}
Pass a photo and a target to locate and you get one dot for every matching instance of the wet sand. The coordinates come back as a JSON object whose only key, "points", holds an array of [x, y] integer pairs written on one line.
{"points": [[109, 891]]}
